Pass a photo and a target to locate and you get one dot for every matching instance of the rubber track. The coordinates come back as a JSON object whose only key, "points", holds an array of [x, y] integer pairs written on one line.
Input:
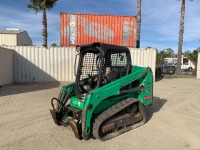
{"points": [[112, 111]]}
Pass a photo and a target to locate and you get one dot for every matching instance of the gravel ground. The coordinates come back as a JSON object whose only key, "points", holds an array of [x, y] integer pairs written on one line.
{"points": [[173, 120]]}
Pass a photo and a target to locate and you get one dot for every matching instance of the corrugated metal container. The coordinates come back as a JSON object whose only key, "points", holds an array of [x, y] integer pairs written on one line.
{"points": [[33, 63], [144, 57], [6, 66], [198, 67], [8, 39], [14, 37], [79, 29]]}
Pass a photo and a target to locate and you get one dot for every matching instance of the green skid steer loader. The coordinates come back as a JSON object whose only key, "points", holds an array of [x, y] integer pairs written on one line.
{"points": [[108, 95]]}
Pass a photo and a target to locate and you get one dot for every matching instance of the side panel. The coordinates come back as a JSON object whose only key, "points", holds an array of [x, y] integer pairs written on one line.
{"points": [[146, 95], [6, 66], [23, 39], [79, 29], [8, 39], [198, 67], [113, 88]]}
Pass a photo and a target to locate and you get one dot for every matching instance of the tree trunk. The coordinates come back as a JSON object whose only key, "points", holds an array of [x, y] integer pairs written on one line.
{"points": [[138, 24], [44, 30], [180, 43]]}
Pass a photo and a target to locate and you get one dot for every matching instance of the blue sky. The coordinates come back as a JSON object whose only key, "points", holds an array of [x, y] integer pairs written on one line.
{"points": [[160, 19]]}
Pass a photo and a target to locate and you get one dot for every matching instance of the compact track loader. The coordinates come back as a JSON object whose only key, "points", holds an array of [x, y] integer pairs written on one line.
{"points": [[108, 96]]}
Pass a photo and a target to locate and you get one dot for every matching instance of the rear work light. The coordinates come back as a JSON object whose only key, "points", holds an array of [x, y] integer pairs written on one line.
{"points": [[147, 97]]}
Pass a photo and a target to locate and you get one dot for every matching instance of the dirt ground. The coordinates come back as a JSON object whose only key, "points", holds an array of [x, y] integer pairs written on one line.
{"points": [[173, 120]]}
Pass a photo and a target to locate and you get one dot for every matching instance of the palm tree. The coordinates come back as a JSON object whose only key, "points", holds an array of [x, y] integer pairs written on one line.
{"points": [[42, 5], [160, 57], [54, 45], [138, 23], [169, 52], [180, 43]]}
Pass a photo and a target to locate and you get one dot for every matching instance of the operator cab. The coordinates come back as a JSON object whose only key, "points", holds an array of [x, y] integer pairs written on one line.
{"points": [[100, 64]]}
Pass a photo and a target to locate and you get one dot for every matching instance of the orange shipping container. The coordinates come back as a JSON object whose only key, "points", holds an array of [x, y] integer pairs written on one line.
{"points": [[79, 29]]}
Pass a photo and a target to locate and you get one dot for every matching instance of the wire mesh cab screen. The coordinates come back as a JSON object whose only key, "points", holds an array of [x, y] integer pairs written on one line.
{"points": [[118, 59], [89, 66], [116, 64]]}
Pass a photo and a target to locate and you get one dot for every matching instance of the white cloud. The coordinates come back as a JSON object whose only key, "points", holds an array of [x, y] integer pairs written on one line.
{"points": [[31, 22]]}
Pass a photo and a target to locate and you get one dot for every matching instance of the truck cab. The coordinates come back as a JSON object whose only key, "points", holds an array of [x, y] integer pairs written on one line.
{"points": [[186, 64]]}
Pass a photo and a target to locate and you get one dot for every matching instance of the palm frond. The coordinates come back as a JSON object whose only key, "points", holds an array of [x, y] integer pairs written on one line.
{"points": [[192, 56], [35, 5], [50, 4]]}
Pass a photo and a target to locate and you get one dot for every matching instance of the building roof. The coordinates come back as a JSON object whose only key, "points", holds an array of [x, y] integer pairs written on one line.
{"points": [[11, 31]]}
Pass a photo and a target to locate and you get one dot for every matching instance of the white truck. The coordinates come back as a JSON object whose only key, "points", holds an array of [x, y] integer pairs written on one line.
{"points": [[186, 64]]}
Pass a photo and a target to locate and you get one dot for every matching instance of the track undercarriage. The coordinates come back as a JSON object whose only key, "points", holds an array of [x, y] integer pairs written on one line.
{"points": [[118, 119]]}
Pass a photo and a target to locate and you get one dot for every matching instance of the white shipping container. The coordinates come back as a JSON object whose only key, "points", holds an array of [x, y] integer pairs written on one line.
{"points": [[144, 57], [198, 66], [14, 37], [6, 66], [43, 64], [32, 63]]}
